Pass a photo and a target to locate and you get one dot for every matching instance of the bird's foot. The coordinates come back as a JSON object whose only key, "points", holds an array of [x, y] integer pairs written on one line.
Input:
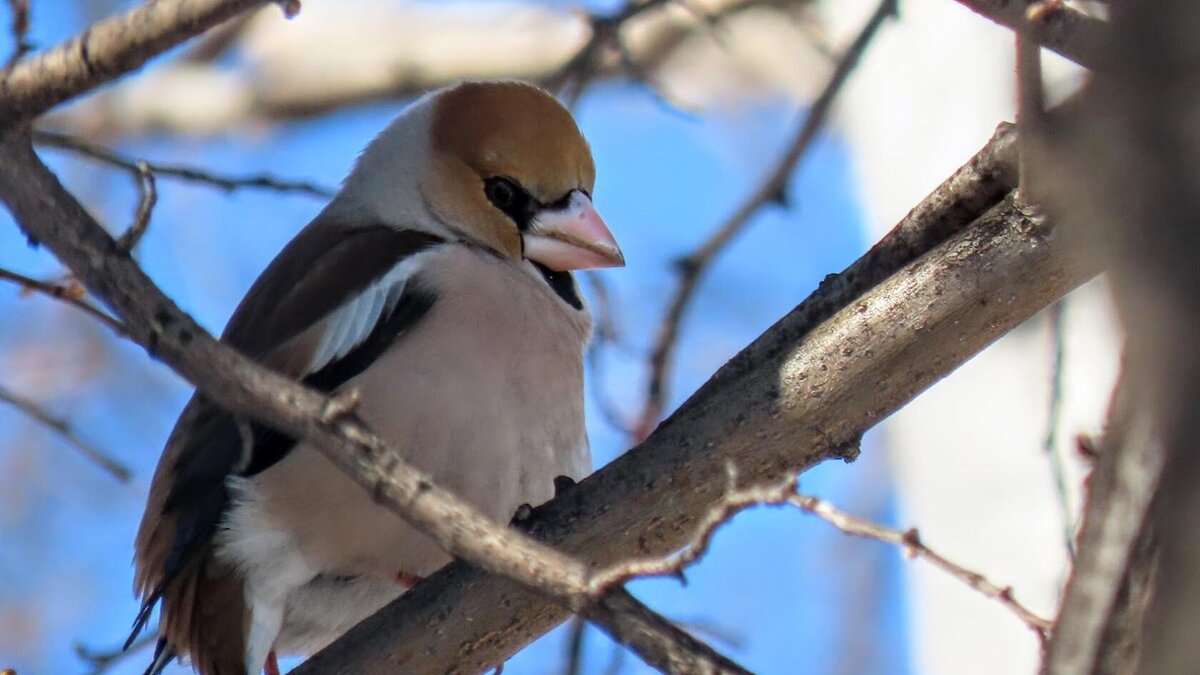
{"points": [[562, 484], [271, 667]]}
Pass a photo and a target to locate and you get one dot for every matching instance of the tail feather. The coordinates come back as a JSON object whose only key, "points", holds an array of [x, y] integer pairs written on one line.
{"points": [[163, 654]]}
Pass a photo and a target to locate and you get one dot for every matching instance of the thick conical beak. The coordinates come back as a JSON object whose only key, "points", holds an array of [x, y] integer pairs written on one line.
{"points": [[573, 237]]}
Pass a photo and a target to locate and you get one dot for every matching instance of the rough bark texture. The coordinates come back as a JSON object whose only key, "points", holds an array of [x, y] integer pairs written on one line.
{"points": [[963, 268], [1100, 625], [1124, 180], [107, 49], [802, 393], [49, 215]]}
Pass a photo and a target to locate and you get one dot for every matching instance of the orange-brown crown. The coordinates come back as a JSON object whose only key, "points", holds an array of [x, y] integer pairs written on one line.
{"points": [[511, 130]]}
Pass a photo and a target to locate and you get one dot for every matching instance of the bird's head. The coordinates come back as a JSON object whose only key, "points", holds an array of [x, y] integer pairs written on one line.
{"points": [[508, 169], [501, 164]]}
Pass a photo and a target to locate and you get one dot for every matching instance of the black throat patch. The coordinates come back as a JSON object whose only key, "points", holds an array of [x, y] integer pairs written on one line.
{"points": [[563, 284]]}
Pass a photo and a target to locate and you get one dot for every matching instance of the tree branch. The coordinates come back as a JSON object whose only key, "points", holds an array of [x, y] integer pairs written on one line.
{"points": [[1056, 26], [106, 50], [184, 172], [63, 428], [72, 294], [772, 190], [1117, 512], [285, 72], [926, 298], [50, 215], [658, 641], [738, 499], [914, 547], [1124, 181], [18, 30]]}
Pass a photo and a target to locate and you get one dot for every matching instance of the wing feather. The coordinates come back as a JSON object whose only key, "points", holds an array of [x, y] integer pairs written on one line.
{"points": [[331, 296]]}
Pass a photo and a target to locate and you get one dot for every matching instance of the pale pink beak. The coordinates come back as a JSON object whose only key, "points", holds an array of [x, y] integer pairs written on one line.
{"points": [[572, 238]]}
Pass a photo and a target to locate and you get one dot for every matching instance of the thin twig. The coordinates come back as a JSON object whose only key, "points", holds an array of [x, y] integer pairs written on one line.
{"points": [[63, 428], [72, 293], [1050, 445], [910, 542], [578, 70], [737, 500], [18, 29], [1033, 124], [606, 49], [101, 660], [147, 198], [659, 642], [1031, 105], [575, 647], [772, 190], [226, 182]]}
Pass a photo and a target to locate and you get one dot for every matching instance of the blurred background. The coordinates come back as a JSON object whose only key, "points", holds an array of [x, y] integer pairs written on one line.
{"points": [[685, 121]]}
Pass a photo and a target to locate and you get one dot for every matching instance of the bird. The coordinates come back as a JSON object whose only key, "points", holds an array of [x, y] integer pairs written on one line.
{"points": [[436, 285]]}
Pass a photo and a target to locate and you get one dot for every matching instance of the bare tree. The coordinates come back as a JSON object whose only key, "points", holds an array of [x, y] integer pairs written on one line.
{"points": [[981, 254]]}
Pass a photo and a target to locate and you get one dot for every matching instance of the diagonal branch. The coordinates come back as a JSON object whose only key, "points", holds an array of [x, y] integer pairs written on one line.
{"points": [[106, 50], [785, 493], [658, 641], [63, 428], [1055, 26], [772, 190], [18, 31], [50, 215], [961, 269], [72, 294], [914, 547]]}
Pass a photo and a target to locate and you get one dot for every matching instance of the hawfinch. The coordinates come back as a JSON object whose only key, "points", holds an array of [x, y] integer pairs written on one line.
{"points": [[437, 283]]}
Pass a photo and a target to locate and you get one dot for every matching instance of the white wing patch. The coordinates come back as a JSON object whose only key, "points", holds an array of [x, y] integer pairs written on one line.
{"points": [[353, 322]]}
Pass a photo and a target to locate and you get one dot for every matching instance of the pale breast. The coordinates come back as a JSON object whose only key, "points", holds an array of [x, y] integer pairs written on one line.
{"points": [[484, 394]]}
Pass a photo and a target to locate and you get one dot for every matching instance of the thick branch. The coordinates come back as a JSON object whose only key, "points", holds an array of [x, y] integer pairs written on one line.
{"points": [[49, 214], [108, 49], [832, 368], [1117, 514], [1057, 27], [772, 189], [1124, 180]]}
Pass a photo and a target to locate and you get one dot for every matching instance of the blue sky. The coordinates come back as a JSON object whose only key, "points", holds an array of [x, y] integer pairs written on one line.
{"points": [[779, 591]]}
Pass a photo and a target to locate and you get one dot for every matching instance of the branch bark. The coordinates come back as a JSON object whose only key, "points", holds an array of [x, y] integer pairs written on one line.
{"points": [[658, 641], [49, 214], [1124, 180], [1100, 623], [1062, 29], [108, 49], [925, 299], [773, 188]]}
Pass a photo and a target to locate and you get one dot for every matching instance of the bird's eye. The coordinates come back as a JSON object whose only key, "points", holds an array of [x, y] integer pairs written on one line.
{"points": [[502, 192]]}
